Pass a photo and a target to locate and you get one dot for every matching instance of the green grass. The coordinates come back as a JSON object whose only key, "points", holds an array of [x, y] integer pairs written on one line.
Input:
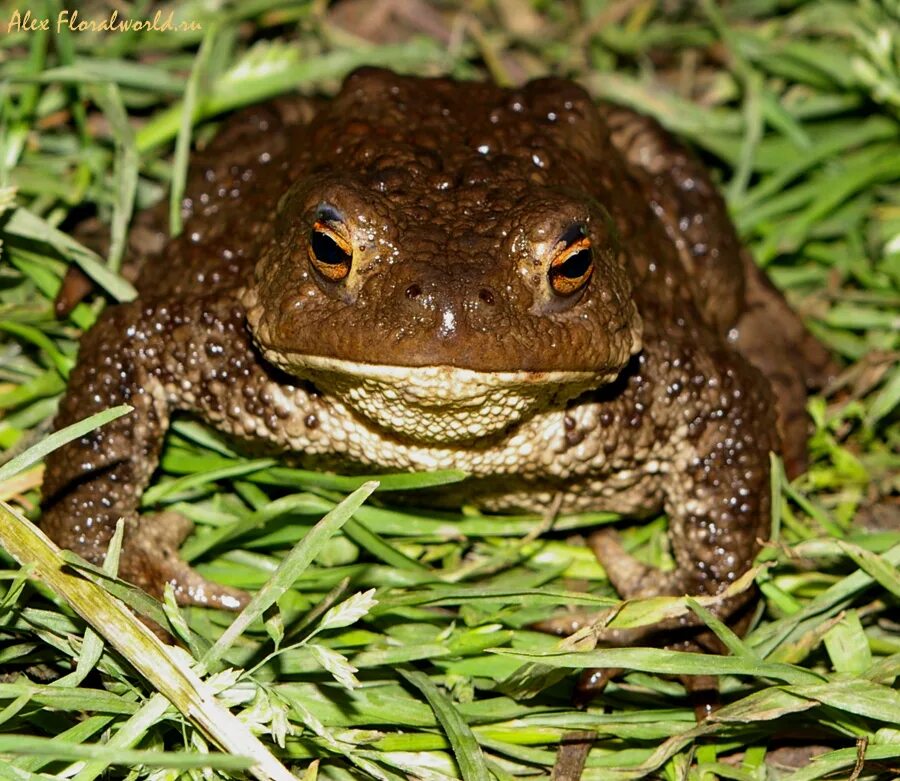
{"points": [[391, 642]]}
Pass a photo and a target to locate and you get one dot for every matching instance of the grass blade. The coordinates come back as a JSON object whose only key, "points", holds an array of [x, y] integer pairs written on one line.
{"points": [[290, 569], [468, 754], [60, 438]]}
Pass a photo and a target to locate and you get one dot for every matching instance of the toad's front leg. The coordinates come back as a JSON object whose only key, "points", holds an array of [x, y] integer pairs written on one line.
{"points": [[721, 419], [157, 358], [721, 416]]}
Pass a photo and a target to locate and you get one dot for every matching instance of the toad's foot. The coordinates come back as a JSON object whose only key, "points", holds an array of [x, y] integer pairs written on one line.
{"points": [[634, 579], [150, 560]]}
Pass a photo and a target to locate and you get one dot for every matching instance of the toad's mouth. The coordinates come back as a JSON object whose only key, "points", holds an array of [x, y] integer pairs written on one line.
{"points": [[438, 404]]}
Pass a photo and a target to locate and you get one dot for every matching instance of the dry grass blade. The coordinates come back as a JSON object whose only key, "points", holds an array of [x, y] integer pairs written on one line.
{"points": [[154, 661]]}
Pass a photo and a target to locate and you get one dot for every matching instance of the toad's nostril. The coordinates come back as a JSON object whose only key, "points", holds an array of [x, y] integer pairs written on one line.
{"points": [[486, 295], [413, 291]]}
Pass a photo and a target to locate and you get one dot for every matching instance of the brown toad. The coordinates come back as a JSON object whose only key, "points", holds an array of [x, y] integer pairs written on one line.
{"points": [[424, 274]]}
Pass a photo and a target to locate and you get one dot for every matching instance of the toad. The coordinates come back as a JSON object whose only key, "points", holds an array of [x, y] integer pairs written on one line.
{"points": [[423, 274]]}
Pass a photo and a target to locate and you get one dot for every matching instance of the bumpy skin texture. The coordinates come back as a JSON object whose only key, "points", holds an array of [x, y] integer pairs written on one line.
{"points": [[636, 394]]}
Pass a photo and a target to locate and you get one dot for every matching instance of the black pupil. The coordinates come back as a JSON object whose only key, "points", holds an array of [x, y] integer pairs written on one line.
{"points": [[575, 266], [327, 250]]}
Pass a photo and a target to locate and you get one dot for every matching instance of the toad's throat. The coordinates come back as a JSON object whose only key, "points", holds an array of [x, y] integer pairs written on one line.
{"points": [[438, 404]]}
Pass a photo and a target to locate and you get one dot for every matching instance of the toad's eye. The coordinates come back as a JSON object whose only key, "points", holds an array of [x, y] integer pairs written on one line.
{"points": [[330, 254], [572, 266]]}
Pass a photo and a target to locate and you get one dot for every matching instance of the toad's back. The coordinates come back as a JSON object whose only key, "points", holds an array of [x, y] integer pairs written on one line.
{"points": [[454, 161]]}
